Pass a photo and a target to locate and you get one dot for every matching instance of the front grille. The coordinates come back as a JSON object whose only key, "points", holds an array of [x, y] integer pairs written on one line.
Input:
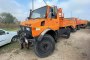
{"points": [[25, 32]]}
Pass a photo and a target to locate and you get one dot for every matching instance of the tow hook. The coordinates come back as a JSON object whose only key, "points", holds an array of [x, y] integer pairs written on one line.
{"points": [[26, 41]]}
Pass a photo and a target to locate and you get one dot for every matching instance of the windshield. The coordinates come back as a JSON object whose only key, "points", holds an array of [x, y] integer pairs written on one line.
{"points": [[39, 13]]}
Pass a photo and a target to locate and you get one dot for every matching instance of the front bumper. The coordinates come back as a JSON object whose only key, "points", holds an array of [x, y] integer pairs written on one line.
{"points": [[25, 36], [30, 41]]}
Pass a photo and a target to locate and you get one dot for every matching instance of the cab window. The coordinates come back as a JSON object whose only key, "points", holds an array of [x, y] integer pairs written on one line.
{"points": [[51, 14], [39, 13], [2, 32]]}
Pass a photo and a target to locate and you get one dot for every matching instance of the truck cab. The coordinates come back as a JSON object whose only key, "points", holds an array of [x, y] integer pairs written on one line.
{"points": [[41, 19]]}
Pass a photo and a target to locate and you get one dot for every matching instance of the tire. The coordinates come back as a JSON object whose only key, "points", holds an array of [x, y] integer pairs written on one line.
{"points": [[73, 30], [84, 26], [45, 47], [67, 33], [78, 27], [14, 39]]}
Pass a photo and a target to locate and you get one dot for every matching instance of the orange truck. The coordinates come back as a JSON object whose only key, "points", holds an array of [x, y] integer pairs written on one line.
{"points": [[42, 29], [80, 23]]}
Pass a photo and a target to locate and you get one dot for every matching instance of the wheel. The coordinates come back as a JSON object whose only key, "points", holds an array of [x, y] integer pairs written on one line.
{"points": [[67, 33], [78, 27], [73, 30], [21, 46], [22, 43], [84, 26], [45, 47], [14, 39]]}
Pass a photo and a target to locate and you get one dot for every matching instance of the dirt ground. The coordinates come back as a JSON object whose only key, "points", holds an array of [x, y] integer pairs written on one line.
{"points": [[77, 47]]}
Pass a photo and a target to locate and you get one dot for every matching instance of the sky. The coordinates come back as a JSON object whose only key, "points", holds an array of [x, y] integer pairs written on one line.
{"points": [[71, 8]]}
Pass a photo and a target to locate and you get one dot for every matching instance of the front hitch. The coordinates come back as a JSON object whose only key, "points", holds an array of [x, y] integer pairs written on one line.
{"points": [[25, 39], [26, 43]]}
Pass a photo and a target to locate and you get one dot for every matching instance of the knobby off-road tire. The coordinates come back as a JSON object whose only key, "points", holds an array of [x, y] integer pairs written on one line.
{"points": [[45, 47]]}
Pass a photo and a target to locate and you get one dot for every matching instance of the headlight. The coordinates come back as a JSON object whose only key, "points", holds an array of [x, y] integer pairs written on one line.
{"points": [[28, 29]]}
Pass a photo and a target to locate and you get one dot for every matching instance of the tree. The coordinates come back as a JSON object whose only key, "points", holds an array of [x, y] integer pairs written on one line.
{"points": [[7, 18]]}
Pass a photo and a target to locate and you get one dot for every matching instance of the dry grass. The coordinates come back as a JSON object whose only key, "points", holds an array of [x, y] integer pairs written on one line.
{"points": [[9, 27], [2, 25]]}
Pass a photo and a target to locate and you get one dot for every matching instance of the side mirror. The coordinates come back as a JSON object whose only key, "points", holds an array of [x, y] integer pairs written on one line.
{"points": [[28, 17], [30, 14]]}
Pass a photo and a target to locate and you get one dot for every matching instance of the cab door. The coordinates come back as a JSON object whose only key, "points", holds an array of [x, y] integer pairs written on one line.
{"points": [[2, 37], [52, 20]]}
